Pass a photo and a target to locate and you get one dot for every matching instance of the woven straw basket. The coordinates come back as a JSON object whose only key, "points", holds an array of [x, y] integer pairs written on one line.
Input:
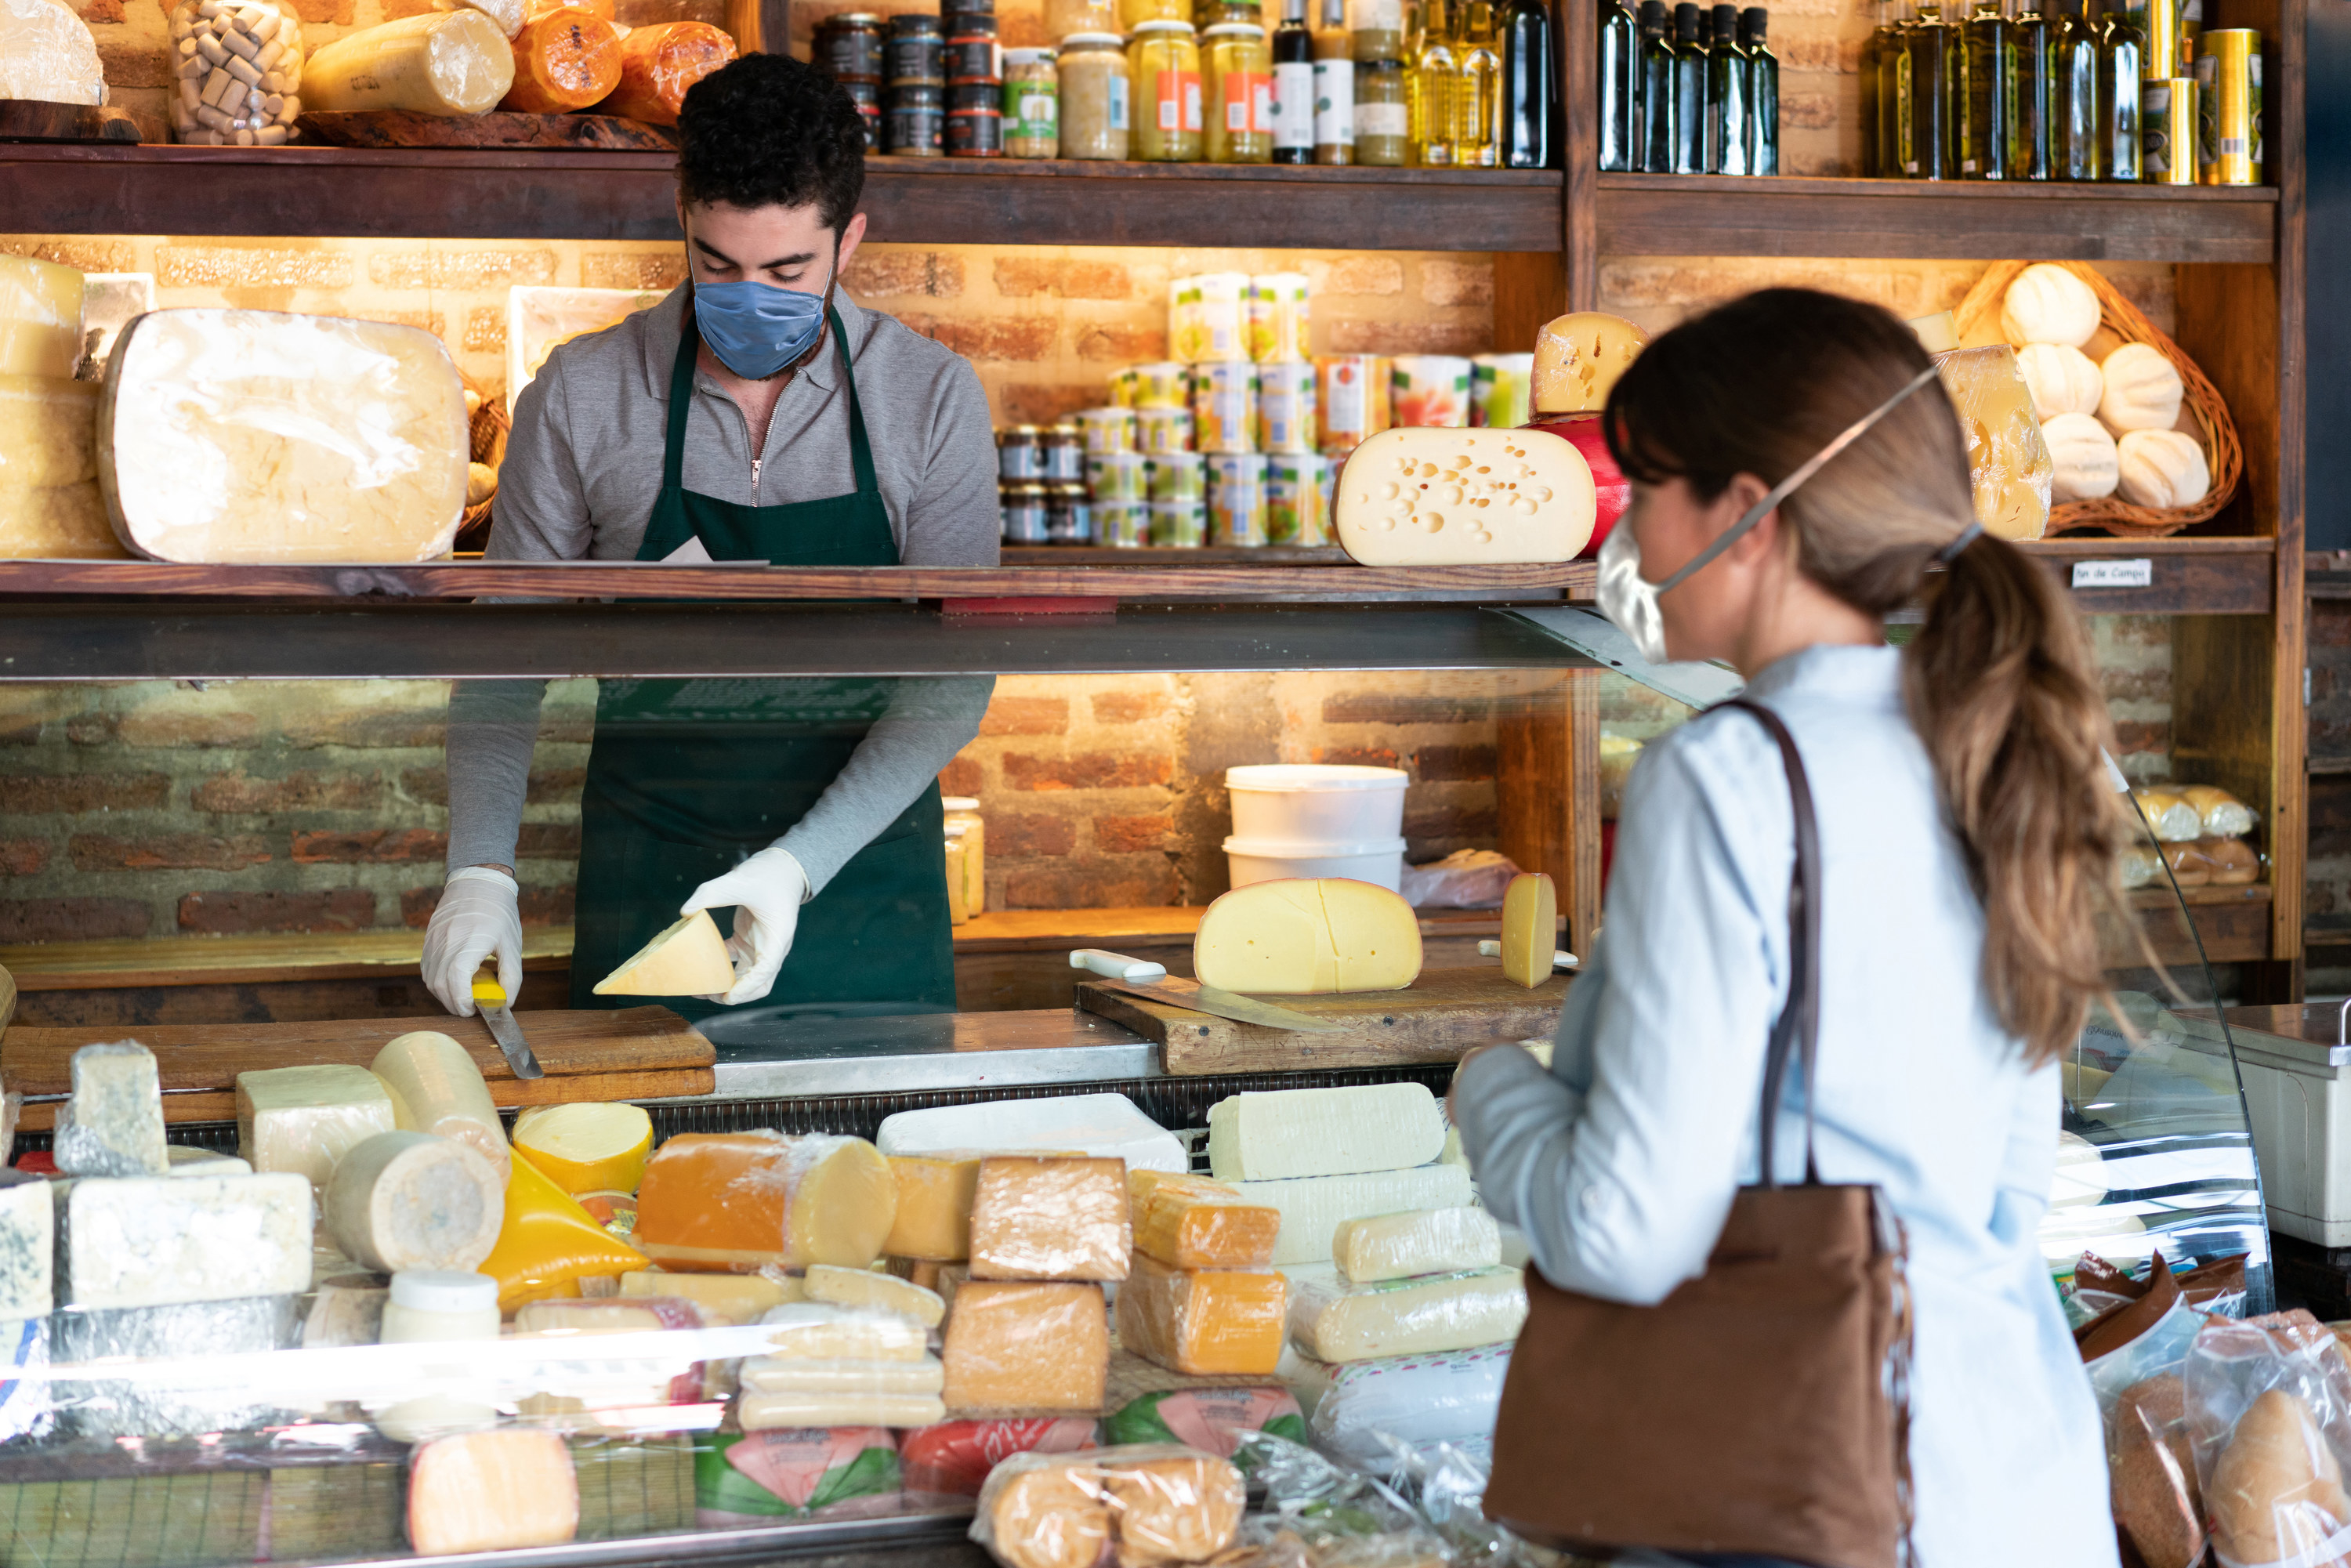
{"points": [[489, 431], [1981, 310]]}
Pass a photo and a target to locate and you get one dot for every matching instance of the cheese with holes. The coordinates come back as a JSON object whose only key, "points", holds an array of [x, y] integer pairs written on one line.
{"points": [[260, 436], [2009, 465], [1578, 358], [113, 1124], [1306, 936], [147, 1241], [304, 1119], [28, 1245], [1334, 1321], [65, 522], [934, 1198], [587, 1147], [1026, 1346], [409, 1200], [687, 959], [1204, 1321], [1418, 1241], [819, 1331], [1186, 1222], [1530, 928], [48, 54], [49, 432], [788, 1374], [40, 314], [728, 1202], [1047, 1218], [1282, 1133], [770, 1412], [725, 1301], [442, 63], [1312, 1206], [1105, 1126], [872, 1291], [1422, 496], [436, 1088], [492, 1492]]}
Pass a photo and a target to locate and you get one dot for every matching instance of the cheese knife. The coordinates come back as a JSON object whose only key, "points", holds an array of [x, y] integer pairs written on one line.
{"points": [[1153, 980], [492, 1003]]}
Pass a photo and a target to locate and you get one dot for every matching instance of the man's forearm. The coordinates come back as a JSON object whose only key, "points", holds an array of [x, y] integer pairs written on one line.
{"points": [[928, 721], [493, 725]]}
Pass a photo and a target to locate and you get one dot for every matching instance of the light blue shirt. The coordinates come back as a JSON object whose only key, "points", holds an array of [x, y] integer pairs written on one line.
{"points": [[1621, 1161]]}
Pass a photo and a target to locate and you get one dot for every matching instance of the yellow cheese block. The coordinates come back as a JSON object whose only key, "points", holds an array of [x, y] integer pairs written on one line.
{"points": [[1422, 496], [1305, 936], [732, 1202], [587, 1147], [443, 62], [1938, 334], [726, 1301], [1529, 924], [1206, 1322], [1578, 358], [485, 1491], [1189, 1222], [40, 318], [689, 959], [547, 1243], [62, 522], [865, 1289], [48, 430], [1051, 1217], [934, 1198], [1026, 1346], [2008, 463]]}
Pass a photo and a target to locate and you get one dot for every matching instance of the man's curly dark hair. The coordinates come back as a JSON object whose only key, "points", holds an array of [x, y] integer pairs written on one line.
{"points": [[771, 131]]}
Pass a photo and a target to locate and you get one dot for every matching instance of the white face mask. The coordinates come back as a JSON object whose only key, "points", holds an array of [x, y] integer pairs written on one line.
{"points": [[1630, 600]]}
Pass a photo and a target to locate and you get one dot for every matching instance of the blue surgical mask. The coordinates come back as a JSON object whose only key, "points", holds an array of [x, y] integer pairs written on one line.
{"points": [[757, 329]]}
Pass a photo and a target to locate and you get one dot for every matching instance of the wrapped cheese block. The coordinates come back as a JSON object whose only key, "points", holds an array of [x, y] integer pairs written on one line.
{"points": [[509, 14], [46, 54], [1268, 1134], [1305, 936], [440, 62], [1312, 1208], [404, 1200], [304, 1119], [1204, 1321], [865, 1290], [436, 1088], [731, 1202], [659, 63], [62, 522], [794, 1410], [488, 1492], [1105, 1126], [2009, 465], [1579, 357], [1025, 1347], [1188, 1222], [725, 1300], [253, 435], [1333, 1321], [563, 60], [793, 1374], [1039, 1217], [934, 1199], [817, 1331], [1416, 1241], [40, 305], [587, 1147], [1433, 496]]}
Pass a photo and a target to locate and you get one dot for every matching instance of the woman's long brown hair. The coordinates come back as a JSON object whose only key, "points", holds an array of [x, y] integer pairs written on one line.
{"points": [[1999, 680]]}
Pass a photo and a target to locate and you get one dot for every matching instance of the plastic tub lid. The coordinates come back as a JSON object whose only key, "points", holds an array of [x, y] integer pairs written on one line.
{"points": [[1311, 848], [959, 803], [1314, 776], [443, 1291]]}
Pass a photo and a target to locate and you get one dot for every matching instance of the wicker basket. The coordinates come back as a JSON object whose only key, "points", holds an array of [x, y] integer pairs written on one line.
{"points": [[2128, 324], [490, 428]]}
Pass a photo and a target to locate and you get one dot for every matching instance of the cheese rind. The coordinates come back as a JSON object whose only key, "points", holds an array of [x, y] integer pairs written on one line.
{"points": [[436, 1088], [40, 302], [27, 1246], [819, 1331], [145, 1242], [587, 1147], [1307, 935], [1039, 1217], [1530, 928], [1186, 1222], [734, 1201], [113, 1124], [489, 1492], [1105, 1126], [726, 1301], [2008, 466], [1332, 1322], [1428, 497], [1418, 1241], [687, 959], [304, 1119], [409, 1200], [934, 1199], [441, 62], [1312, 1206], [769, 1412], [1026, 1346], [49, 432], [1578, 359], [1204, 1321], [870, 1291], [1284, 1133]]}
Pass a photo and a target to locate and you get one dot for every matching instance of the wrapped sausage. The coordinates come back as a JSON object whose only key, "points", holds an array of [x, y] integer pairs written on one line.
{"points": [[659, 64], [564, 60]]}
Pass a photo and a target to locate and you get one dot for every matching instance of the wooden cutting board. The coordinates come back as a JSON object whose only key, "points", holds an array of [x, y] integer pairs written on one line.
{"points": [[634, 1053], [1439, 1017]]}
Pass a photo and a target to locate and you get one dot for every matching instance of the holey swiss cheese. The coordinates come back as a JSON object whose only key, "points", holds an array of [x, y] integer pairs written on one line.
{"points": [[1425, 497]]}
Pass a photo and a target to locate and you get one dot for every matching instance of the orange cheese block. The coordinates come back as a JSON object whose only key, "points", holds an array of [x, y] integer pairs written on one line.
{"points": [[1190, 1222], [732, 1202], [564, 60], [659, 63], [934, 1199], [486, 1491], [1049, 1217], [1204, 1321], [1026, 1346]]}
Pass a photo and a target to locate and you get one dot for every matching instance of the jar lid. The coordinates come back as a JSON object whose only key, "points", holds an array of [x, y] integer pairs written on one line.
{"points": [[853, 19], [1162, 26], [1021, 432], [1027, 56], [972, 24], [1383, 67], [1233, 28], [443, 1291], [1092, 41], [1068, 490], [1069, 431], [959, 803]]}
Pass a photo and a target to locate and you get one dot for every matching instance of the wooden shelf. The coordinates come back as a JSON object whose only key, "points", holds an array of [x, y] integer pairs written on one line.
{"points": [[2186, 576], [1680, 214]]}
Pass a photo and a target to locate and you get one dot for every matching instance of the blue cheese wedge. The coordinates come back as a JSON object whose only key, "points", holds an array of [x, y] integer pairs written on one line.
{"points": [[28, 1242], [156, 1241], [113, 1125]]}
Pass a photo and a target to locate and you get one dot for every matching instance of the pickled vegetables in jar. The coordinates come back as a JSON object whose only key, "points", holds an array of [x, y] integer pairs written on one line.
{"points": [[1164, 57], [1239, 109]]}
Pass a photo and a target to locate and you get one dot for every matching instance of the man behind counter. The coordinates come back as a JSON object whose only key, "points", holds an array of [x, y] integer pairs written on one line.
{"points": [[754, 414]]}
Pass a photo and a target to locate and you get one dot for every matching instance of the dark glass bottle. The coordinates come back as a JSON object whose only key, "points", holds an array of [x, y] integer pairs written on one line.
{"points": [[1729, 118], [1894, 101], [1869, 162], [1933, 81], [2122, 47], [1991, 66], [2073, 96], [1620, 86], [1530, 90], [1690, 93], [1659, 129], [1293, 78], [2030, 94], [1762, 92]]}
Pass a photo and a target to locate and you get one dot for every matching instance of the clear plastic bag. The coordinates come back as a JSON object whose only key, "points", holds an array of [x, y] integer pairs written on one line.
{"points": [[1140, 1505], [1320, 1514], [1465, 879], [1416, 1241], [2268, 1413], [1418, 1399], [1334, 1321], [238, 73]]}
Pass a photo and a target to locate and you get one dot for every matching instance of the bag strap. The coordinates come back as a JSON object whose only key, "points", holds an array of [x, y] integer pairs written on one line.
{"points": [[1799, 1023]]}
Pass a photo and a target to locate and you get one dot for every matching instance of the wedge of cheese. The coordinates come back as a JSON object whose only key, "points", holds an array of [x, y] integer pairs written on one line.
{"points": [[1427, 496], [1305, 935], [440, 63], [689, 959], [1418, 1241], [1186, 1222], [934, 1199], [49, 54], [1530, 928], [1312, 1208], [40, 307], [1277, 1133], [870, 1291], [730, 1202], [1204, 1321], [2009, 465], [113, 1124], [1578, 358]]}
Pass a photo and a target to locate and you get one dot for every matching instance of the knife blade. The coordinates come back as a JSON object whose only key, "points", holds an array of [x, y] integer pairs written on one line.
{"points": [[490, 999], [1153, 980]]}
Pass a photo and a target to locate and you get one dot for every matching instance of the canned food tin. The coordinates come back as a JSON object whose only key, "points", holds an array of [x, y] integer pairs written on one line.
{"points": [[914, 121], [1285, 408], [1125, 387], [1122, 524], [1069, 517], [1175, 476], [976, 133], [1236, 509], [1022, 508], [1161, 430], [1206, 317], [1107, 429], [1178, 525], [1431, 389], [1351, 400], [2228, 106], [2168, 131], [850, 46], [1297, 499], [1020, 453], [916, 49], [1162, 384], [1501, 388], [1065, 455], [1224, 405], [1118, 475], [1276, 314]]}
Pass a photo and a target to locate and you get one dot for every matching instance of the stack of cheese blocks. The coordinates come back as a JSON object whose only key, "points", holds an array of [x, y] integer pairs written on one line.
{"points": [[49, 502], [1414, 1283], [1321, 1156], [1027, 1330], [1199, 1298]]}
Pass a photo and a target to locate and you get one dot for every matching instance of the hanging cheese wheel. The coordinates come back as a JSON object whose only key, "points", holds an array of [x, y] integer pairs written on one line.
{"points": [[658, 63], [564, 61]]}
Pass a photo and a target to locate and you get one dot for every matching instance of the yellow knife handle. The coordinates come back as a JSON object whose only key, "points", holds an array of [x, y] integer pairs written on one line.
{"points": [[486, 989]]}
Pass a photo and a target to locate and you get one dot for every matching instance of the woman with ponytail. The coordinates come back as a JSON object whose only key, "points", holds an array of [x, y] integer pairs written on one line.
{"points": [[1799, 475]]}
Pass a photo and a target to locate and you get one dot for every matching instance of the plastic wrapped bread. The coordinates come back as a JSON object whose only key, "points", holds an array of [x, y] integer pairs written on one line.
{"points": [[1334, 1321], [1418, 1241], [238, 70], [446, 63], [1145, 1505], [2008, 463], [1044, 1217], [2173, 819], [1204, 1321], [731, 1202], [2189, 864], [2232, 862], [1188, 1222], [46, 54], [658, 63], [258, 436], [2222, 814]]}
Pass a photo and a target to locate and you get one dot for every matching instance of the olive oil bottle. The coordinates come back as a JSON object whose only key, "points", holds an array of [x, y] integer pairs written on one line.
{"points": [[1689, 91], [1934, 76], [2121, 52], [1762, 91], [2074, 96], [1477, 90], [1620, 87], [1729, 111], [1659, 129], [1894, 101], [1990, 61], [2029, 93], [1432, 85]]}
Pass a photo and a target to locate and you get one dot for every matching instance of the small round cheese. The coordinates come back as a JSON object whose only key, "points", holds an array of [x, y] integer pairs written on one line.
{"points": [[2162, 468], [2142, 389], [2084, 457], [2049, 304], [2061, 380]]}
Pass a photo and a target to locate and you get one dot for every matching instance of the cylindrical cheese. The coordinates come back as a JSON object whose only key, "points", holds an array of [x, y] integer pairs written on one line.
{"points": [[564, 60], [730, 1202], [507, 14], [441, 62], [412, 1200], [436, 1088], [657, 66]]}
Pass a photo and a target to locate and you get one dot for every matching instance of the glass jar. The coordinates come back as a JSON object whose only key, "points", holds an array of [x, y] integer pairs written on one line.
{"points": [[1020, 452], [1381, 133], [1031, 104], [1164, 60], [1206, 14], [971, 53], [915, 120], [1376, 27], [1069, 518], [1094, 86], [916, 51], [238, 72], [1239, 94], [976, 132], [1022, 506], [1133, 14], [849, 45], [1064, 447], [1063, 18]]}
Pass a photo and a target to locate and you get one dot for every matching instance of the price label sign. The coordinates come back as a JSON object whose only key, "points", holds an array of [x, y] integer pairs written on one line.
{"points": [[2139, 573]]}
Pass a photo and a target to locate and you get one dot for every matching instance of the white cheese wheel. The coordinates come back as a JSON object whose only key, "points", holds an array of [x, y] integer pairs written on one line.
{"points": [[1425, 497], [509, 14], [1578, 358], [46, 54], [2061, 380], [436, 1088], [2085, 454], [440, 62], [412, 1200], [2049, 304], [2142, 389], [2163, 469]]}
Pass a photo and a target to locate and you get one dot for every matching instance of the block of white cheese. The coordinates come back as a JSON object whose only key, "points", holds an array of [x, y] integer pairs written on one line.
{"points": [[769, 1412], [1416, 1241], [785, 1375], [1105, 1126], [1307, 935], [688, 959], [304, 1119], [186, 1160], [346, 1311], [27, 1246], [61, 522], [259, 436], [815, 1331], [1334, 1323], [47, 54], [440, 63], [1422, 495], [489, 1492], [113, 1125], [1282, 1133], [1579, 357], [410, 1200], [436, 1088], [40, 302], [872, 1292], [145, 1242], [1312, 1206], [1530, 928], [49, 432]]}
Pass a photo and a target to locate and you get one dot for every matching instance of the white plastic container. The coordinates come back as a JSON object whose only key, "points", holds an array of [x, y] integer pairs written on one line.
{"points": [[1379, 860], [1313, 803]]}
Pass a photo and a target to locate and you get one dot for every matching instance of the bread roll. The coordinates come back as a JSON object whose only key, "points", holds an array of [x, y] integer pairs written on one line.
{"points": [[2223, 815], [2190, 867], [1181, 1509], [2173, 819], [2277, 1491], [1048, 1517], [2154, 1470], [2232, 861]]}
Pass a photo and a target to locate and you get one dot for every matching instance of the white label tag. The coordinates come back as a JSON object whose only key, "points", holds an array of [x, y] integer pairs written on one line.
{"points": [[2139, 573]]}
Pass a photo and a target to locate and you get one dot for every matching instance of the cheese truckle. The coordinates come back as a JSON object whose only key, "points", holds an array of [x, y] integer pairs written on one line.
{"points": [[1578, 358], [1303, 935], [1425, 497], [1530, 927], [2008, 466], [731, 1202], [658, 65], [564, 60], [444, 63]]}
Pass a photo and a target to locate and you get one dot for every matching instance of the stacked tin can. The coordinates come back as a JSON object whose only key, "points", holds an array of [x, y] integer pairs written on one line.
{"points": [[852, 47], [1042, 486], [915, 102], [1253, 405], [975, 68]]}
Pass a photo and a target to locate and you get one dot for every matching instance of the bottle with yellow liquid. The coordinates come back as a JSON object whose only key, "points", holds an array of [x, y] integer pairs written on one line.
{"points": [[1478, 93], [1432, 86]]}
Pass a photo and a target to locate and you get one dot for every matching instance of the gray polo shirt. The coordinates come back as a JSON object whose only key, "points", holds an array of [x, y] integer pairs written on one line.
{"points": [[583, 466]]}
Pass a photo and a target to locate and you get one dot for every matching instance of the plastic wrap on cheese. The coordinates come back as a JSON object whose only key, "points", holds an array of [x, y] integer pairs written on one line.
{"points": [[122, 1404], [444, 63], [1334, 1321], [1269, 1134], [40, 303], [139, 1241], [2008, 461], [794, 1374], [1418, 1241], [1204, 1321], [934, 1199], [1312, 1206], [256, 436], [488, 1492], [1102, 1126], [726, 1301], [1021, 1347], [766, 1412], [734, 1201], [866, 1290], [660, 63], [46, 54], [1188, 1222], [1448, 1398], [817, 1331], [1140, 1505], [28, 1245], [1043, 1217], [1423, 496]]}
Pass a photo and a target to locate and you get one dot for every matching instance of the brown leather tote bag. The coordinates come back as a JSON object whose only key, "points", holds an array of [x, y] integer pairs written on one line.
{"points": [[1762, 1407]]}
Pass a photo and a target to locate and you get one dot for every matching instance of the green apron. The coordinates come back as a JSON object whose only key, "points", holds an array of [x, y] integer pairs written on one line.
{"points": [[689, 778]]}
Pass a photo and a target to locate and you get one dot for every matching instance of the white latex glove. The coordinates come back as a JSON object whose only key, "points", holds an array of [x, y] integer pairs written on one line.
{"points": [[477, 916], [767, 891]]}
